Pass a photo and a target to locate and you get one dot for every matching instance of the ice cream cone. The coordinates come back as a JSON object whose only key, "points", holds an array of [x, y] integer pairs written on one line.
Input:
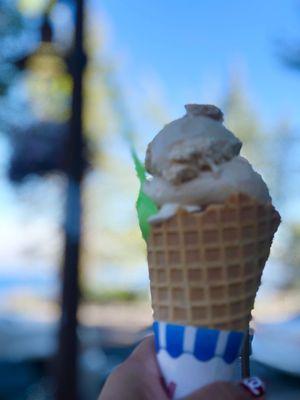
{"points": [[205, 267]]}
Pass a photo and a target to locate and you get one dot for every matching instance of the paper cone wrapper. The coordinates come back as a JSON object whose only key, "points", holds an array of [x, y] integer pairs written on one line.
{"points": [[205, 267], [191, 357]]}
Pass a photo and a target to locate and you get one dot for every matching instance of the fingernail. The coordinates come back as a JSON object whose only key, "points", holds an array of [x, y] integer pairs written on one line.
{"points": [[169, 389], [254, 385]]}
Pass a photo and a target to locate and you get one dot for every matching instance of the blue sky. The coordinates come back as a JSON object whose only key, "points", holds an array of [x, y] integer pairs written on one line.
{"points": [[192, 46]]}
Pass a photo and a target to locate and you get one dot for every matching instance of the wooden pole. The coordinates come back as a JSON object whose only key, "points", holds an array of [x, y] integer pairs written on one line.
{"points": [[68, 344]]}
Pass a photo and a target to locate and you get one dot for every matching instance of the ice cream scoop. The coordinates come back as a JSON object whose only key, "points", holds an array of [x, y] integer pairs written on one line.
{"points": [[194, 143], [195, 161]]}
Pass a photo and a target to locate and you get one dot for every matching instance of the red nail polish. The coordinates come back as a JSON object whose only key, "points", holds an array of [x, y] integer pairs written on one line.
{"points": [[254, 385]]}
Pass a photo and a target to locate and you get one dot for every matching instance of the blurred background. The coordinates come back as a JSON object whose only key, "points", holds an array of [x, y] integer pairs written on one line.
{"points": [[145, 61]]}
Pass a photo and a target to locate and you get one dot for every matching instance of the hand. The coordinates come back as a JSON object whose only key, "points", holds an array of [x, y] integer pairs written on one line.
{"points": [[138, 378]]}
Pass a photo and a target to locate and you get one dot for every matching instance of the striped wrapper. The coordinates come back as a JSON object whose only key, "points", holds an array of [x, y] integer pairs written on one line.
{"points": [[191, 357]]}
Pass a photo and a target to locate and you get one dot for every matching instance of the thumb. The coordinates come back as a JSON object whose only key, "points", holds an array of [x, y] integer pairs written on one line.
{"points": [[222, 391]]}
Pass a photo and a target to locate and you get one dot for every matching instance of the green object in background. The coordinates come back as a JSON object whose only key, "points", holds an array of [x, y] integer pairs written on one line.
{"points": [[145, 206]]}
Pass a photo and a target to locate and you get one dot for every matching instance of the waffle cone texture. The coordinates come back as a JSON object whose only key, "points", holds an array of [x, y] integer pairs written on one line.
{"points": [[205, 268]]}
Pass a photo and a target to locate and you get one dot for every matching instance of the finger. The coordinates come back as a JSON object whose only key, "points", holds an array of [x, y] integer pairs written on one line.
{"points": [[145, 354], [222, 391], [145, 348], [143, 360]]}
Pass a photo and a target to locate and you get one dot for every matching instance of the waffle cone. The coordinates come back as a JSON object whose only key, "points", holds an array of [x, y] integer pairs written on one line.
{"points": [[205, 268]]}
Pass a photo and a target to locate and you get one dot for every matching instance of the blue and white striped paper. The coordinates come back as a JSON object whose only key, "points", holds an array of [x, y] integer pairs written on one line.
{"points": [[203, 343], [191, 357]]}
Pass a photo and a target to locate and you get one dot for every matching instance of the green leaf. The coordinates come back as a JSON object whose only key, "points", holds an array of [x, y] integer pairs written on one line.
{"points": [[145, 206], [139, 167]]}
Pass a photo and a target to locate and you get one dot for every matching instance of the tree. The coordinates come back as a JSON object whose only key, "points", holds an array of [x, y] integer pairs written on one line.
{"points": [[290, 57], [111, 237], [269, 151], [243, 120], [266, 148], [16, 38]]}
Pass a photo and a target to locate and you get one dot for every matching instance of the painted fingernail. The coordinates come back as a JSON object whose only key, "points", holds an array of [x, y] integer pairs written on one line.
{"points": [[254, 385], [170, 388]]}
